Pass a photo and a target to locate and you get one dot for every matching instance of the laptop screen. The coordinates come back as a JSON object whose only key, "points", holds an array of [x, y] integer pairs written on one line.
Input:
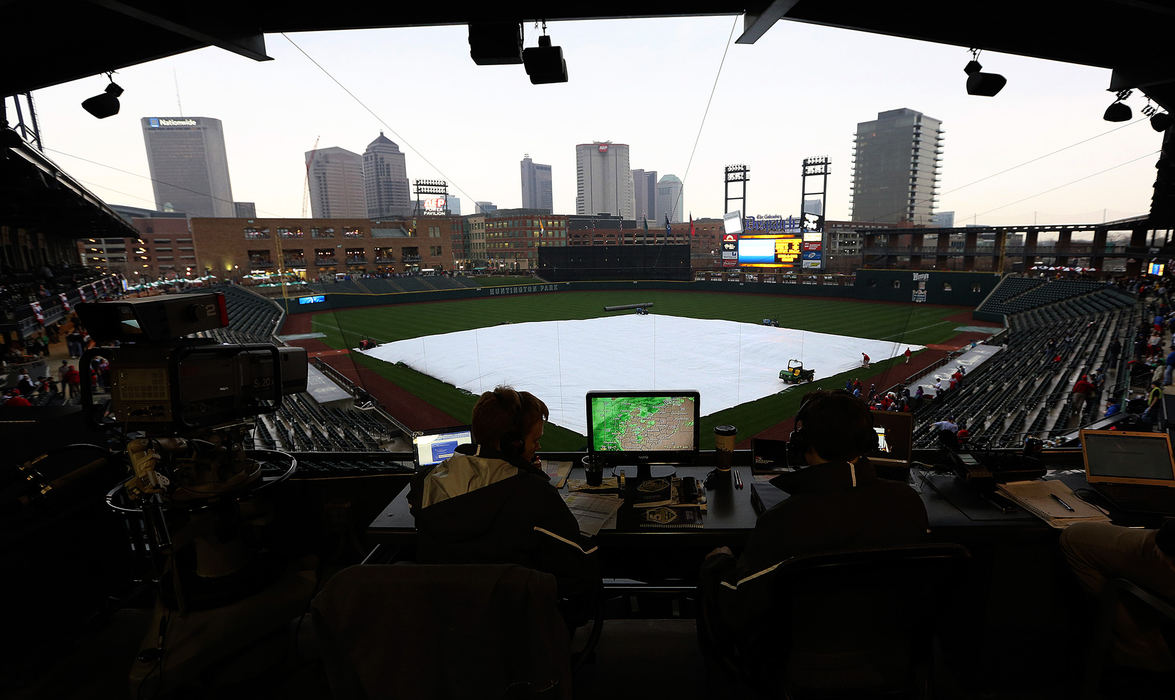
{"points": [[895, 438], [435, 446], [1127, 458]]}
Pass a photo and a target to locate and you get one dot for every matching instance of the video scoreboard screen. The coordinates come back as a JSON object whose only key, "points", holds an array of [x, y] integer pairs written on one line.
{"points": [[781, 251]]}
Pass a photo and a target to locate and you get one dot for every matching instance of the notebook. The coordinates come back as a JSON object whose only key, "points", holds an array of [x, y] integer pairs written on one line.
{"points": [[1135, 472]]}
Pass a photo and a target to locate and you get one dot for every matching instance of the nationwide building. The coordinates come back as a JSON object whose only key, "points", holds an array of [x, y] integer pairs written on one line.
{"points": [[385, 180], [245, 210], [644, 187], [336, 183], [603, 180], [536, 185], [188, 164], [671, 199], [895, 170]]}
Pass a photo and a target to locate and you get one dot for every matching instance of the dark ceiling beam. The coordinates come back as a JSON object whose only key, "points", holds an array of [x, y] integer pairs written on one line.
{"points": [[243, 42], [757, 22]]}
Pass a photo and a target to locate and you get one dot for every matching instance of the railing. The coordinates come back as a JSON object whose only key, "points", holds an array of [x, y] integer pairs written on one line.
{"points": [[260, 263], [384, 259], [411, 258], [325, 261]]}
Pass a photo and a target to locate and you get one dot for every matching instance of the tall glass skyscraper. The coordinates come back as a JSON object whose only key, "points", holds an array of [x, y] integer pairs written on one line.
{"points": [[385, 180], [336, 183], [189, 166], [603, 180], [644, 191], [671, 199], [895, 174], [536, 185]]}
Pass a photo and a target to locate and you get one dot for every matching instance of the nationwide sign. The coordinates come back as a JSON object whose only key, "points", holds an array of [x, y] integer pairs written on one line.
{"points": [[156, 122]]}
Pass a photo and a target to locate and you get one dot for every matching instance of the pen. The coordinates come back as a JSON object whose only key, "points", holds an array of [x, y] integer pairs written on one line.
{"points": [[738, 480], [1063, 504]]}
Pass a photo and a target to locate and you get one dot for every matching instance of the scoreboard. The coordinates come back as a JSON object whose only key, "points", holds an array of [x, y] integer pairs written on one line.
{"points": [[779, 251]]}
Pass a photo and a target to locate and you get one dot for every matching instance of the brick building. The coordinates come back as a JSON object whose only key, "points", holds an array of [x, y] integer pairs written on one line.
{"points": [[164, 249], [705, 244], [318, 248], [513, 237]]}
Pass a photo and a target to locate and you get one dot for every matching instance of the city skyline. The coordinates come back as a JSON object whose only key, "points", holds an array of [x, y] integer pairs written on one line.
{"points": [[751, 120]]}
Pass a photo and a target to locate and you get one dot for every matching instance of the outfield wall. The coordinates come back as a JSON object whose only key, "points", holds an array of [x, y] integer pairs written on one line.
{"points": [[930, 287]]}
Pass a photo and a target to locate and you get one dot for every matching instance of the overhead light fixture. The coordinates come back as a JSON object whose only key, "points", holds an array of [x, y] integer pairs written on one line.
{"points": [[1119, 111], [105, 104], [1161, 121], [544, 63], [980, 83], [495, 43]]}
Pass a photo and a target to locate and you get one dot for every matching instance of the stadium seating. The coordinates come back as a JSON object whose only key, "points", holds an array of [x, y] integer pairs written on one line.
{"points": [[1023, 391]]}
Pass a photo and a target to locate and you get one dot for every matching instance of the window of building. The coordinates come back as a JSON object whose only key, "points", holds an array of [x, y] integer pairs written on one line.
{"points": [[353, 232], [161, 240], [434, 250]]}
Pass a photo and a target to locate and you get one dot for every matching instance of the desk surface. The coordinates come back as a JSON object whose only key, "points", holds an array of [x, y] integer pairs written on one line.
{"points": [[730, 517]]}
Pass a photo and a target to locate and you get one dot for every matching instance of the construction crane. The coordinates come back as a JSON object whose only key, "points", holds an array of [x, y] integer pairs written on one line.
{"points": [[306, 188]]}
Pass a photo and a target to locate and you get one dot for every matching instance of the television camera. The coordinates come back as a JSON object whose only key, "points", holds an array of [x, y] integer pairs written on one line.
{"points": [[184, 406]]}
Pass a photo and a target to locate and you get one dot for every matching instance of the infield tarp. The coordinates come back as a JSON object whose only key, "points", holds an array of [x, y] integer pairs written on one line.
{"points": [[560, 361]]}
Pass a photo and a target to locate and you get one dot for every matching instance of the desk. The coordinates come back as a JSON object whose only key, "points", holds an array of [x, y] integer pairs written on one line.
{"points": [[956, 515]]}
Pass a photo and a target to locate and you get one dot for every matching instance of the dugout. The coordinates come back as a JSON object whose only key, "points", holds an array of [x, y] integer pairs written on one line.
{"points": [[610, 262]]}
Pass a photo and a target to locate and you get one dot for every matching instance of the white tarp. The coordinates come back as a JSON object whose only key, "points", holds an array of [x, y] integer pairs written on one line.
{"points": [[560, 361]]}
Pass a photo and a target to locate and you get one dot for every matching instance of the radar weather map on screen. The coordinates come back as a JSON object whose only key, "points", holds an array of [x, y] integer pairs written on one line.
{"points": [[644, 424]]}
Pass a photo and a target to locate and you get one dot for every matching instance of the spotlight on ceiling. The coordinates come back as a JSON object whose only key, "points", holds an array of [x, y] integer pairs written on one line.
{"points": [[1119, 111], [980, 83], [495, 43], [544, 63], [105, 104], [1161, 122]]}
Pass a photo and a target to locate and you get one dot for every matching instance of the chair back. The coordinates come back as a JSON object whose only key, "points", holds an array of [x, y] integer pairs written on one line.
{"points": [[856, 622], [442, 631]]}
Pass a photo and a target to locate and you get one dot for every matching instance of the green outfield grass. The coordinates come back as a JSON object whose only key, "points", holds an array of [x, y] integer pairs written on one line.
{"points": [[902, 323]]}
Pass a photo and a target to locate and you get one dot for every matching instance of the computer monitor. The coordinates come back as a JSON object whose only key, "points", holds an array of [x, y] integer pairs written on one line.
{"points": [[1122, 457], [643, 427], [432, 447], [895, 439]]}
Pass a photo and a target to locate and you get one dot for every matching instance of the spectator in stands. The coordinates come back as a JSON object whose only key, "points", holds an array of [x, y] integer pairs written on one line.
{"points": [[947, 431], [73, 383], [1169, 368], [1153, 344], [14, 398], [937, 386], [919, 393], [25, 383], [1113, 408], [1081, 393], [962, 434], [1154, 399], [836, 502], [494, 504], [1098, 552], [1113, 351]]}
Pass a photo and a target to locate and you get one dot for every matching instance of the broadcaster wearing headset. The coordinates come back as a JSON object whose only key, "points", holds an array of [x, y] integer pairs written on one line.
{"points": [[491, 503], [836, 501]]}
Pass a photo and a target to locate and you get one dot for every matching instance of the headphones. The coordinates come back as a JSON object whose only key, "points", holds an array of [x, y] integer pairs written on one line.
{"points": [[801, 440]]}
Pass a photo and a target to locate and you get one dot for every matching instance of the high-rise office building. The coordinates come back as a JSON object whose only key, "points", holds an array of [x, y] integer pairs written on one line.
{"points": [[336, 183], [385, 180], [670, 199], [942, 219], [604, 180], [189, 166], [245, 210], [644, 194], [814, 206], [453, 204], [485, 207], [536, 185], [896, 170]]}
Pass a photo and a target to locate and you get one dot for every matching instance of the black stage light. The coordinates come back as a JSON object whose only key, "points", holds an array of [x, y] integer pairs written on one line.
{"points": [[1118, 112], [980, 83], [1161, 122], [105, 104], [495, 43], [544, 63]]}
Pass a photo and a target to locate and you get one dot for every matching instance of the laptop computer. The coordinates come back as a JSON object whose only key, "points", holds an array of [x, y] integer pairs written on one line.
{"points": [[1135, 472], [895, 444], [431, 447]]}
